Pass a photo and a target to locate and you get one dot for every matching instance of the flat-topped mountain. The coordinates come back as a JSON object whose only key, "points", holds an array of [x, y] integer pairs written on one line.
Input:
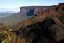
{"points": [[27, 12]]}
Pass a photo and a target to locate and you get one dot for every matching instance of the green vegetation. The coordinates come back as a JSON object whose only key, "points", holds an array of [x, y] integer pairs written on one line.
{"points": [[7, 36]]}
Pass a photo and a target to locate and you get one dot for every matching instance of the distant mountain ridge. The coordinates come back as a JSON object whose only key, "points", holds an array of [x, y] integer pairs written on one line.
{"points": [[4, 14], [13, 18]]}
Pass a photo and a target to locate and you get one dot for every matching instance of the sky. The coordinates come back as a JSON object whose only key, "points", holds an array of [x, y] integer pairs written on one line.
{"points": [[14, 5]]}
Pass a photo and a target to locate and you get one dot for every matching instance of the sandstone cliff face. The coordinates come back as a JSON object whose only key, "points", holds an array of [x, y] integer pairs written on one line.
{"points": [[54, 31], [40, 9], [37, 9], [40, 14]]}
